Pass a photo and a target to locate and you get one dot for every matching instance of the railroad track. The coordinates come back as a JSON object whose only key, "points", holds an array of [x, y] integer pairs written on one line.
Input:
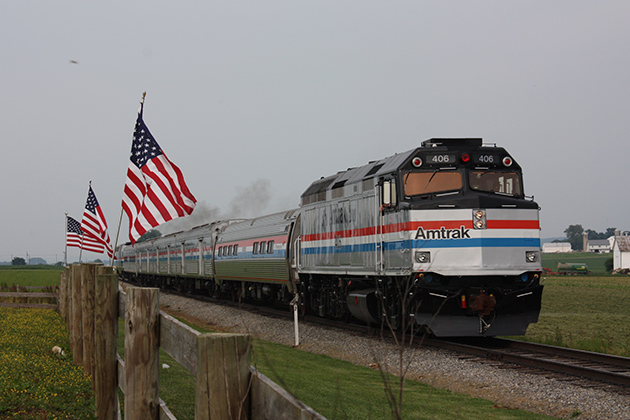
{"points": [[609, 369], [599, 367]]}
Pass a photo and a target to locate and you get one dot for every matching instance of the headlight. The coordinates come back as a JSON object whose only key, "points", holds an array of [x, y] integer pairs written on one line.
{"points": [[423, 257], [479, 219], [531, 256]]}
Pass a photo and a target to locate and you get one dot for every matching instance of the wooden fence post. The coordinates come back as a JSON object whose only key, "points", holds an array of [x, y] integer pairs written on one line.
{"points": [[105, 378], [104, 269], [69, 305], [62, 294], [66, 295], [88, 274], [223, 377], [77, 316], [142, 341]]}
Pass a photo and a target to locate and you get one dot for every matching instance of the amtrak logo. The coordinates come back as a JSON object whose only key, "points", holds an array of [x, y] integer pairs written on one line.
{"points": [[443, 233]]}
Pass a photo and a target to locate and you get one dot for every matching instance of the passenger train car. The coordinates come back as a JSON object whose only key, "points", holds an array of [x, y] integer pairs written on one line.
{"points": [[442, 236]]}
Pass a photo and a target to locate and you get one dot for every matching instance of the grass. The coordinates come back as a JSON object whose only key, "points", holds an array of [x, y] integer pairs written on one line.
{"points": [[30, 275], [334, 388], [594, 261], [341, 390], [34, 382], [585, 312]]}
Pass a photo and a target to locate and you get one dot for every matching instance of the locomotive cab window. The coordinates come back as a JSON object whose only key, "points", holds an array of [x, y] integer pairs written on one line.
{"points": [[508, 183], [417, 183]]}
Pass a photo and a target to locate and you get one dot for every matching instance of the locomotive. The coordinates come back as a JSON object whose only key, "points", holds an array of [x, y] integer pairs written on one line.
{"points": [[441, 237]]}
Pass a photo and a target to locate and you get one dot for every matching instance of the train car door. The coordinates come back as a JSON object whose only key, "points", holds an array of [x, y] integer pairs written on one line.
{"points": [[378, 229], [341, 228]]}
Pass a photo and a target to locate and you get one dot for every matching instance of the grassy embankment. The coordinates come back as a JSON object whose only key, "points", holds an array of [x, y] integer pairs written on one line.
{"points": [[336, 389]]}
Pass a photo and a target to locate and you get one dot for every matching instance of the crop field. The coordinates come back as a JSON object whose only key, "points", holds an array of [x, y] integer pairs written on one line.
{"points": [[30, 275]]}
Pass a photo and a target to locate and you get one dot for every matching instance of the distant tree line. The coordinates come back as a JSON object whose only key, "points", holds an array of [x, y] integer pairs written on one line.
{"points": [[575, 235]]}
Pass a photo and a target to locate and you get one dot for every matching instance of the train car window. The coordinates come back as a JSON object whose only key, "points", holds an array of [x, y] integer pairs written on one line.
{"points": [[230, 250], [270, 247], [262, 247], [508, 183], [255, 251], [416, 183], [235, 249], [219, 251]]}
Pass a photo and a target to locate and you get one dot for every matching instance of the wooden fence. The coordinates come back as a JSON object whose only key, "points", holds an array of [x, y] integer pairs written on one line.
{"points": [[227, 386], [22, 294]]}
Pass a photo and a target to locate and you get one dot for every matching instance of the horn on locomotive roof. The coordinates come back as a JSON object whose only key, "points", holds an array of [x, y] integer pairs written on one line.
{"points": [[453, 142]]}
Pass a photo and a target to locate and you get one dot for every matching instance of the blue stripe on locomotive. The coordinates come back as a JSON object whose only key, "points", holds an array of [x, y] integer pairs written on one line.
{"points": [[425, 244]]}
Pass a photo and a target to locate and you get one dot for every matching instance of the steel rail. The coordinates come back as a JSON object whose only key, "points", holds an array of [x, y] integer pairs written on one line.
{"points": [[610, 369]]}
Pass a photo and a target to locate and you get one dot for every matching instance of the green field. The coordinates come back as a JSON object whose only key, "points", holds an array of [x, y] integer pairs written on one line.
{"points": [[585, 312], [594, 261], [30, 275]]}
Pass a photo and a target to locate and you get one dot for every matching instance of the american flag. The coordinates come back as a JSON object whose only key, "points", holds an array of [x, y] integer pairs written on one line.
{"points": [[93, 223], [155, 190], [75, 237]]}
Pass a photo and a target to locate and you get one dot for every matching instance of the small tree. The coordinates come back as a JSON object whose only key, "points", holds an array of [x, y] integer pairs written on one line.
{"points": [[609, 264], [574, 236], [18, 261]]}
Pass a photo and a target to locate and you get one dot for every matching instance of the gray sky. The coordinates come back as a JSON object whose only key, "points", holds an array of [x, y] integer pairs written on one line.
{"points": [[257, 99]]}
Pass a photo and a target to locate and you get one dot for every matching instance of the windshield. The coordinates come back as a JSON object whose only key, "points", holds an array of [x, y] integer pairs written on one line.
{"points": [[508, 183], [417, 183]]}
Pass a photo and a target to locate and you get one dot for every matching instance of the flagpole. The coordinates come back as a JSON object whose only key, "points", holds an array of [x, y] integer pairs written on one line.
{"points": [[117, 233], [65, 252]]}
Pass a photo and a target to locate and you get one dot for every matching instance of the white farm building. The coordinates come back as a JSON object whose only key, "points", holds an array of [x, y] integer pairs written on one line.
{"points": [[621, 251], [552, 247]]}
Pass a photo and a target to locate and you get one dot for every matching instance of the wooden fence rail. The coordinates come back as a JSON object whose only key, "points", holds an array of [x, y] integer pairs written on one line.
{"points": [[21, 294], [227, 386]]}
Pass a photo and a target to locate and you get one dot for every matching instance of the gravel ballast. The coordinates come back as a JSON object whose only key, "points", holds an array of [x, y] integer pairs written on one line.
{"points": [[507, 388]]}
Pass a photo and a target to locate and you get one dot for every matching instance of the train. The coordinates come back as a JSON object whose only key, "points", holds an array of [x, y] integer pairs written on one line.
{"points": [[440, 238]]}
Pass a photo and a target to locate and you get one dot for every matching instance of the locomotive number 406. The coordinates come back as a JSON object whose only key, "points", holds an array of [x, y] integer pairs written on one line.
{"points": [[442, 159], [485, 159]]}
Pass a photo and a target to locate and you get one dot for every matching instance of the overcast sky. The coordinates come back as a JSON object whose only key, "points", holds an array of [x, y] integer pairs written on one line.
{"points": [[255, 100]]}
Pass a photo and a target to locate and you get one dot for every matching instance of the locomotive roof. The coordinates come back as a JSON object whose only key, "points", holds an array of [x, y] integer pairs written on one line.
{"points": [[393, 163]]}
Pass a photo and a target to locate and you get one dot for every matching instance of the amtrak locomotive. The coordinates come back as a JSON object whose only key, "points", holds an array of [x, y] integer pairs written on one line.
{"points": [[441, 236]]}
